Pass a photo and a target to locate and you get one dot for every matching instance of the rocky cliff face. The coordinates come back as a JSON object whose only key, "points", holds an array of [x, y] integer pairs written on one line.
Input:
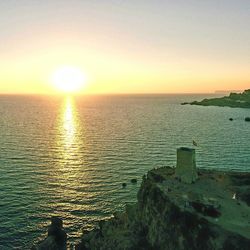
{"points": [[212, 213]]}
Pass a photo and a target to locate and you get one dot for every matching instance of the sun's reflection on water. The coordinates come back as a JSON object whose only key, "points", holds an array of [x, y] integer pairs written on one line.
{"points": [[69, 125], [76, 194], [69, 139], [68, 169]]}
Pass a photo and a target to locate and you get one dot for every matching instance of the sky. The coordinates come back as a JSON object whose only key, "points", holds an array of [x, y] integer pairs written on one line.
{"points": [[126, 46]]}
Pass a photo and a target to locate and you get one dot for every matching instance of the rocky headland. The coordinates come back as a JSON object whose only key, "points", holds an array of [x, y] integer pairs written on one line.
{"points": [[234, 100], [177, 208]]}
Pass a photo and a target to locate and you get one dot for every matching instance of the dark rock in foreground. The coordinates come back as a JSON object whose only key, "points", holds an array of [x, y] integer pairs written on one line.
{"points": [[56, 239], [234, 100]]}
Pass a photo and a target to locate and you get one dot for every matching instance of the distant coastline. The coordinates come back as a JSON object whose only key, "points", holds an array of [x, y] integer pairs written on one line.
{"points": [[233, 100], [226, 92]]}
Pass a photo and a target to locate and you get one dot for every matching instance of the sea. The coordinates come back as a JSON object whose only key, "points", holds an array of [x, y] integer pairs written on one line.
{"points": [[68, 156]]}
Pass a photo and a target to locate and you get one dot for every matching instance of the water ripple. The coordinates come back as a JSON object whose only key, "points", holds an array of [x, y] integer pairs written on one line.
{"points": [[70, 157]]}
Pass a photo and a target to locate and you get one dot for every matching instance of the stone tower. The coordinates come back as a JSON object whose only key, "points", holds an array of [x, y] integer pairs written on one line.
{"points": [[186, 165]]}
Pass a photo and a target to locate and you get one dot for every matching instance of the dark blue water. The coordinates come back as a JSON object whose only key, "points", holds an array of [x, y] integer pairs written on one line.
{"points": [[69, 156]]}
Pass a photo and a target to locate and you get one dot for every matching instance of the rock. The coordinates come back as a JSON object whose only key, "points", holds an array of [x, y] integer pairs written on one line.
{"points": [[207, 210], [48, 244], [231, 119], [134, 180], [124, 184], [247, 119], [57, 237], [56, 230]]}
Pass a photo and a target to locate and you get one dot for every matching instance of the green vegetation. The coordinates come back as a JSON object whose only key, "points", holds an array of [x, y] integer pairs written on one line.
{"points": [[234, 100]]}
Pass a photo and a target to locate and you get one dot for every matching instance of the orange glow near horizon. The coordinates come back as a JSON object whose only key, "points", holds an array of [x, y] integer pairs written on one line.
{"points": [[123, 50], [110, 74]]}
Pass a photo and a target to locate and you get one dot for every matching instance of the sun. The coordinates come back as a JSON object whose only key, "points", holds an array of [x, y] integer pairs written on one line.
{"points": [[68, 79]]}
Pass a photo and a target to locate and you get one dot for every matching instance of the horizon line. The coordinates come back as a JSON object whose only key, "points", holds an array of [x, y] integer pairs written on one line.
{"points": [[102, 94]]}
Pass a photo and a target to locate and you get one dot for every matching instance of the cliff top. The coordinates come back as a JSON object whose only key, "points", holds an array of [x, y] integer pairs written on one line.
{"points": [[216, 196]]}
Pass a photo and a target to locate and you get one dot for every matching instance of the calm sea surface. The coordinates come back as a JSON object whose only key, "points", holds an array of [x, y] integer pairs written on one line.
{"points": [[69, 156]]}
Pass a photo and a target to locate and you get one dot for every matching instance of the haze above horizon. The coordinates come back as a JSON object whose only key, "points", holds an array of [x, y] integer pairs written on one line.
{"points": [[124, 46]]}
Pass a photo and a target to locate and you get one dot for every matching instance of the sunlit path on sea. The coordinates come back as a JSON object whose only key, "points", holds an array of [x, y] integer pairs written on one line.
{"points": [[69, 174], [69, 133], [77, 188]]}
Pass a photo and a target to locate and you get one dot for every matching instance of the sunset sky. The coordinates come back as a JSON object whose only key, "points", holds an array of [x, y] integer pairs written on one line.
{"points": [[132, 46]]}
